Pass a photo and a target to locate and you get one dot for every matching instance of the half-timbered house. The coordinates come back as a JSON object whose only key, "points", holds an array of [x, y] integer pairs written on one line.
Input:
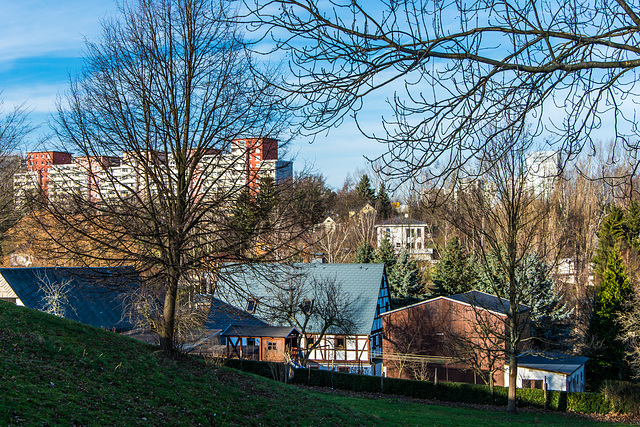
{"points": [[296, 295]]}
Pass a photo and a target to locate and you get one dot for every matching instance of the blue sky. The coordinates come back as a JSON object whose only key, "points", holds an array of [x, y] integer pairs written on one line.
{"points": [[41, 44]]}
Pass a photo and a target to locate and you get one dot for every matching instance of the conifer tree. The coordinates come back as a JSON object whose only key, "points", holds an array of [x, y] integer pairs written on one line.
{"points": [[364, 253], [607, 361], [405, 283], [364, 190], [454, 273], [385, 255], [383, 203]]}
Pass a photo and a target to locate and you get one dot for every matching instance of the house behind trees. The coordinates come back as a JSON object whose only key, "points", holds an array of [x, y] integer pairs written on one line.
{"points": [[281, 295], [462, 337]]}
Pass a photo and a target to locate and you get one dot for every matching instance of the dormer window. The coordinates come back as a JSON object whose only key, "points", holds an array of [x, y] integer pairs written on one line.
{"points": [[251, 306]]}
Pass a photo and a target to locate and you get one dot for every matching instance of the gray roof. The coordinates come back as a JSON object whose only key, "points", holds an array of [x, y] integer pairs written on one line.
{"points": [[551, 362], [260, 331], [94, 295], [266, 283], [486, 301], [223, 315], [401, 220]]}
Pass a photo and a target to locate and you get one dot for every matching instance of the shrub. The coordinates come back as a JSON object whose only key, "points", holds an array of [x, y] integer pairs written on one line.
{"points": [[623, 396]]}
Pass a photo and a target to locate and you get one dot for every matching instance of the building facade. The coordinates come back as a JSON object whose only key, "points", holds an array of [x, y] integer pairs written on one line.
{"points": [[407, 234], [103, 178]]}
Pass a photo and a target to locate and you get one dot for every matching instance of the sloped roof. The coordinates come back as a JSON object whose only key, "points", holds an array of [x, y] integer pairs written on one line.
{"points": [[94, 295], [260, 331], [223, 315], [358, 283], [552, 362], [401, 220], [475, 298], [486, 301]]}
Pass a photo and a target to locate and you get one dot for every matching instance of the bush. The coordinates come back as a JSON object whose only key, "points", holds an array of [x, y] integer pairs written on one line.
{"points": [[623, 395]]}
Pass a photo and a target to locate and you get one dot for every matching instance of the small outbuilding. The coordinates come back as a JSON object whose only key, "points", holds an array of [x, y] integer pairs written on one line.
{"points": [[562, 372]]}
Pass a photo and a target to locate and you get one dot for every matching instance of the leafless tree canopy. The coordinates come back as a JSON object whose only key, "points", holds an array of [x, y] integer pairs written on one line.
{"points": [[449, 69], [169, 88]]}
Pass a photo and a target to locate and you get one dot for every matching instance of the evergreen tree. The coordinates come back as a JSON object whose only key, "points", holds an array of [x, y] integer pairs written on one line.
{"points": [[612, 231], [607, 359], [364, 253], [550, 326], [405, 284], [454, 273], [383, 203], [364, 190], [548, 315], [385, 255], [632, 224]]}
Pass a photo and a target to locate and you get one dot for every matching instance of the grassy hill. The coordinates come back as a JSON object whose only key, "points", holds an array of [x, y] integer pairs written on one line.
{"points": [[58, 372]]}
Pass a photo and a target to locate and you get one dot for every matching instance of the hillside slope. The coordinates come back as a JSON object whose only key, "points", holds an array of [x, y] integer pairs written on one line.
{"points": [[57, 371]]}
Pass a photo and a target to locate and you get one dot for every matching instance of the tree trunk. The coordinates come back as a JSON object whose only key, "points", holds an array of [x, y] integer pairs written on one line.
{"points": [[513, 376], [167, 336]]}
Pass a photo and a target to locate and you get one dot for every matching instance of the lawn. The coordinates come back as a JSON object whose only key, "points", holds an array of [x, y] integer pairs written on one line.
{"points": [[57, 372]]}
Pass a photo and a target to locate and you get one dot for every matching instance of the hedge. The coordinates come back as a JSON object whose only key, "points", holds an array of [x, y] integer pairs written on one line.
{"points": [[586, 403]]}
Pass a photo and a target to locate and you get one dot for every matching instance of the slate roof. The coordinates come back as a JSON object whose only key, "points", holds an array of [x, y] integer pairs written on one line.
{"points": [[223, 315], [359, 283], [486, 301], [552, 362], [260, 331], [94, 294]]}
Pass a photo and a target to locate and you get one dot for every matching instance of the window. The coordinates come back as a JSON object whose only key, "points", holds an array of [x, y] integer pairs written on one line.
{"points": [[408, 232], [413, 232], [388, 232], [311, 341], [532, 384], [419, 232], [251, 341], [398, 245], [419, 245], [271, 345], [251, 306], [339, 343]]}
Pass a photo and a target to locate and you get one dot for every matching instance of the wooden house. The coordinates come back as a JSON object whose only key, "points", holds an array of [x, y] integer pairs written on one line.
{"points": [[298, 295]]}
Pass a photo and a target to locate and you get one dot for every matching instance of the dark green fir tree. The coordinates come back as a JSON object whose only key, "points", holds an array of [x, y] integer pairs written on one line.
{"points": [[454, 273], [365, 253]]}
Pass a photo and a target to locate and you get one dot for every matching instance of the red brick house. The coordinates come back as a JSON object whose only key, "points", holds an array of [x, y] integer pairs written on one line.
{"points": [[458, 338]]}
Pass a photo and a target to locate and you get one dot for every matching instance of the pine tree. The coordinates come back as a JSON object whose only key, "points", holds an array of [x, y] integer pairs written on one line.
{"points": [[611, 233], [364, 253], [454, 273], [383, 203], [405, 284], [632, 224], [385, 255], [615, 290], [364, 190]]}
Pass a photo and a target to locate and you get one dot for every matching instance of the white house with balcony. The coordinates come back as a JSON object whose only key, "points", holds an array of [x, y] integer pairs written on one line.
{"points": [[406, 233]]}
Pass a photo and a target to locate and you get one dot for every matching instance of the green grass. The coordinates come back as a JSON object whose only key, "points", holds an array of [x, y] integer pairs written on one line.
{"points": [[58, 372]]}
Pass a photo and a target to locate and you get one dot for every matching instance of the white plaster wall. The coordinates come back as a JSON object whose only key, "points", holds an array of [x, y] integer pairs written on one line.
{"points": [[555, 381]]}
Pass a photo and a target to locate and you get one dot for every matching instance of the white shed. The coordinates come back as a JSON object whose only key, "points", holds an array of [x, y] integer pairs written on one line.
{"points": [[562, 372]]}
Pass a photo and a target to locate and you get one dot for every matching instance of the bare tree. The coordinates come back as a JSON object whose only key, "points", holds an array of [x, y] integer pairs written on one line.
{"points": [[451, 69], [14, 127], [315, 306], [169, 88], [56, 295], [504, 219]]}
